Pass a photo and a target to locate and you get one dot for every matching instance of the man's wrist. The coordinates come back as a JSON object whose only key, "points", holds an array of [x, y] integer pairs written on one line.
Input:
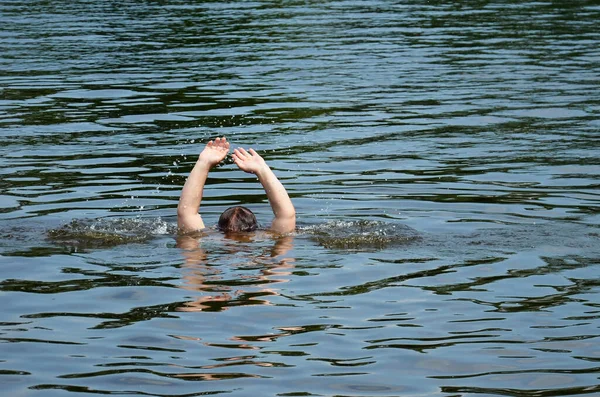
{"points": [[262, 171], [205, 163]]}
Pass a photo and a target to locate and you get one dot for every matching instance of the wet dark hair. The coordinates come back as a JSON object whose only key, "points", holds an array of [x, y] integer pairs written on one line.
{"points": [[237, 219]]}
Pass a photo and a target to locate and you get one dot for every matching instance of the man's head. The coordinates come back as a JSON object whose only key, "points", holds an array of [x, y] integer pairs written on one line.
{"points": [[237, 219]]}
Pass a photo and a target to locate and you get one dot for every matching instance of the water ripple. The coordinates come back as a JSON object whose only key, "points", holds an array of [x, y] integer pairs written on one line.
{"points": [[442, 159]]}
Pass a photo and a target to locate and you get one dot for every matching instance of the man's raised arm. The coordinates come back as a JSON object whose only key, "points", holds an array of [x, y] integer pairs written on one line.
{"points": [[188, 218], [283, 209]]}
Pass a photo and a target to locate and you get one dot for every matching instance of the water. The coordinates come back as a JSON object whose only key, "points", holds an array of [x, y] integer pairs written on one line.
{"points": [[442, 158]]}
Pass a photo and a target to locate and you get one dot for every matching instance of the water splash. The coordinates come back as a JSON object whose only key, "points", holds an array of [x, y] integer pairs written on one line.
{"points": [[360, 235], [109, 232]]}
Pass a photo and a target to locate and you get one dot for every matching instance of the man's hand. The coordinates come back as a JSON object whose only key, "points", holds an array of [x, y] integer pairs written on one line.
{"points": [[250, 162], [215, 152]]}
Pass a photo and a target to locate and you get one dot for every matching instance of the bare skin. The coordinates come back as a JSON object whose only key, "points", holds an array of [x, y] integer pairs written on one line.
{"points": [[283, 209], [188, 218]]}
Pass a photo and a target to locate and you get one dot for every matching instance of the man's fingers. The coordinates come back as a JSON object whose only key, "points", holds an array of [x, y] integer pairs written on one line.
{"points": [[243, 152], [252, 152], [237, 158], [218, 143], [238, 161]]}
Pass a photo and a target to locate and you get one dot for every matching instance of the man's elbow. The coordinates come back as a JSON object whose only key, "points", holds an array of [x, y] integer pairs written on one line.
{"points": [[184, 210], [185, 216], [188, 221], [288, 215], [285, 221]]}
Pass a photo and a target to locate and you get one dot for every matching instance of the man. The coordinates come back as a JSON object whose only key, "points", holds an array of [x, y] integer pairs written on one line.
{"points": [[238, 218]]}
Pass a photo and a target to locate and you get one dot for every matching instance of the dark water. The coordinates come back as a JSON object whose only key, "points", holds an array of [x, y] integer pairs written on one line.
{"points": [[443, 159]]}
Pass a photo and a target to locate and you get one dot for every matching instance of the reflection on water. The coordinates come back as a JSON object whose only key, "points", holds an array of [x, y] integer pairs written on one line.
{"points": [[239, 254], [442, 159]]}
